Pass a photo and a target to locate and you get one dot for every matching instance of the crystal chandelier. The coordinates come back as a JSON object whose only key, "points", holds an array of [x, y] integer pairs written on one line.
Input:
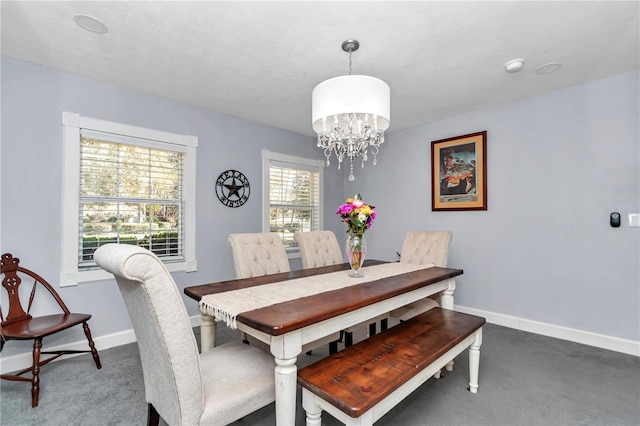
{"points": [[350, 114]]}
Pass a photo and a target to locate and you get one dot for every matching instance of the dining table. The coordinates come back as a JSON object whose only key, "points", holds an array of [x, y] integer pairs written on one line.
{"points": [[288, 310]]}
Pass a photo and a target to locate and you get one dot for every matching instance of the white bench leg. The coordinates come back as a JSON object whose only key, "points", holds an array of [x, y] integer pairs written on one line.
{"points": [[313, 411], [474, 362]]}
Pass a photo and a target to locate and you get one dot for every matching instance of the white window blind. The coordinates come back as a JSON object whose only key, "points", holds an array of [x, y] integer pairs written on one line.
{"points": [[294, 197], [125, 184], [130, 193]]}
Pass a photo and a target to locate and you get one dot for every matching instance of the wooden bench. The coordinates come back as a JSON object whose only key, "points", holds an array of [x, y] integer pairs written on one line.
{"points": [[363, 382]]}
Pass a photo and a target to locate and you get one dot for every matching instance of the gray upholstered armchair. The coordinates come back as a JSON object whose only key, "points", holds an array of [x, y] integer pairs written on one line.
{"points": [[182, 386]]}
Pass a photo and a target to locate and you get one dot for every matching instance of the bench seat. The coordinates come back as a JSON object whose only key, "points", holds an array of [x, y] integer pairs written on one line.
{"points": [[363, 382]]}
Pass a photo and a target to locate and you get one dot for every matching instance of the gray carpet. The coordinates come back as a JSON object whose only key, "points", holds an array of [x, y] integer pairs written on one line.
{"points": [[525, 379]]}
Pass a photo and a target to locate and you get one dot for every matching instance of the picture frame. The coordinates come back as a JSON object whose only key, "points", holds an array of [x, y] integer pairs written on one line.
{"points": [[459, 173]]}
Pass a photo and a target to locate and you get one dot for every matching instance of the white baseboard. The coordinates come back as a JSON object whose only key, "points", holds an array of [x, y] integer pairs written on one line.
{"points": [[616, 344], [196, 321], [23, 360], [630, 347]]}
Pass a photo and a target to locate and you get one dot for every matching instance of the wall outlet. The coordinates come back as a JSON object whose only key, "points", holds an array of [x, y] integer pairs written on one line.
{"points": [[634, 219]]}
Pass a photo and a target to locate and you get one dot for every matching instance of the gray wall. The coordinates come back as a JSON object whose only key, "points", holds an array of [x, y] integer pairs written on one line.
{"points": [[558, 164], [33, 99]]}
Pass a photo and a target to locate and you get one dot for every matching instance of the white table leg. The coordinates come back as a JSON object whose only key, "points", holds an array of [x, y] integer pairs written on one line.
{"points": [[447, 296], [207, 333], [285, 349], [474, 362], [447, 303], [286, 380]]}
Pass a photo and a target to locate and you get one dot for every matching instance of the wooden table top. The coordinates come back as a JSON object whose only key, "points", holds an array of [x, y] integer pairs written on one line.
{"points": [[287, 316], [196, 292]]}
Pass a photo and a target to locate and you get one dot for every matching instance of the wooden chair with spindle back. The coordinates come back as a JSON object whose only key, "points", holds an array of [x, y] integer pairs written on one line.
{"points": [[21, 325]]}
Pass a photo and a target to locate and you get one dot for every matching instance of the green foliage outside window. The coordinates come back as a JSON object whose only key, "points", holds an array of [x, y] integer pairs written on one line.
{"points": [[162, 243]]}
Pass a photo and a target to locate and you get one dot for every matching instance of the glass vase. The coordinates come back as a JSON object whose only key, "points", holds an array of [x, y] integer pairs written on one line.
{"points": [[356, 248]]}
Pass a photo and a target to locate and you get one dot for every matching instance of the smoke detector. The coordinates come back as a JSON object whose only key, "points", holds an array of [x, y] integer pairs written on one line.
{"points": [[514, 65]]}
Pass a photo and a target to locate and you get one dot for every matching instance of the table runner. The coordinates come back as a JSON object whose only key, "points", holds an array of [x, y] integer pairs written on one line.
{"points": [[227, 305]]}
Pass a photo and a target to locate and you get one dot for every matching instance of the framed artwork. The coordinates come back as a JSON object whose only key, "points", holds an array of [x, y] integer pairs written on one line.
{"points": [[459, 173]]}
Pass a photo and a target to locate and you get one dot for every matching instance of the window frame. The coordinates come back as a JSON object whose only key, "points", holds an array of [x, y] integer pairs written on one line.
{"points": [[70, 274], [295, 162]]}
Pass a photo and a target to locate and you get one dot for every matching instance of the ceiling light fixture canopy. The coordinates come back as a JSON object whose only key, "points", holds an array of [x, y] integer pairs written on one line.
{"points": [[350, 114], [548, 68], [90, 23]]}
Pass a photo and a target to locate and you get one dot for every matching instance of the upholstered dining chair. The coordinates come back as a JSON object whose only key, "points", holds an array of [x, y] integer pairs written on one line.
{"points": [[321, 248], [318, 248], [182, 386], [263, 253], [23, 325], [257, 254], [423, 247]]}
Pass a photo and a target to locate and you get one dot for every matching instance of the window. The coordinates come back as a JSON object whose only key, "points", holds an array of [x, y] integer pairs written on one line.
{"points": [[292, 194], [128, 185]]}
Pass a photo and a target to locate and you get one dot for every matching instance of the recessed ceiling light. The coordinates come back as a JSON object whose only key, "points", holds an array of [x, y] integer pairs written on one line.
{"points": [[548, 68], [90, 23], [514, 65]]}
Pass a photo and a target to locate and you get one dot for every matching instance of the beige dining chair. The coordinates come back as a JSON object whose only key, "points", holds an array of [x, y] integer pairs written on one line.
{"points": [[257, 254], [318, 248], [423, 247], [263, 253], [182, 386], [321, 248]]}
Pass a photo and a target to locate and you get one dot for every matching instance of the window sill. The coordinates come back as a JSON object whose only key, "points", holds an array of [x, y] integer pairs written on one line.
{"points": [[293, 254], [72, 279]]}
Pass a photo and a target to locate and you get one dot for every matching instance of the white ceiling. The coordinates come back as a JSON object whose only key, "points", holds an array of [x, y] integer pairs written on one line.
{"points": [[260, 60]]}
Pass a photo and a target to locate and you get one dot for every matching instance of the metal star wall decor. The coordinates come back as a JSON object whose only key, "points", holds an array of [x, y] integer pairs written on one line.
{"points": [[232, 188]]}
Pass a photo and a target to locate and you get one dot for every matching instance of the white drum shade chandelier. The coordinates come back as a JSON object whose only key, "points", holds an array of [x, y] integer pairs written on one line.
{"points": [[350, 114]]}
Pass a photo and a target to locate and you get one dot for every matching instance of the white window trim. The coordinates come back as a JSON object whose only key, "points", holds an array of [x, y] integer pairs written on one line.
{"points": [[71, 125], [296, 162]]}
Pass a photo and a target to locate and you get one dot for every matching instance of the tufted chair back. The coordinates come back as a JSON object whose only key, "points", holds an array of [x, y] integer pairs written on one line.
{"points": [[257, 254], [422, 247], [168, 348], [182, 386], [318, 248]]}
